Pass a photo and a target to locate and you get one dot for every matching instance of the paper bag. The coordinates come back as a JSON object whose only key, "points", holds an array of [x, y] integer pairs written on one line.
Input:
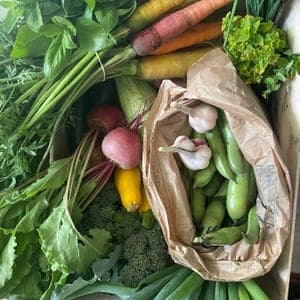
{"points": [[214, 80]]}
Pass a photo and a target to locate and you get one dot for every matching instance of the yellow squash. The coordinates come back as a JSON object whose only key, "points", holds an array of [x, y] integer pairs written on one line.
{"points": [[128, 183]]}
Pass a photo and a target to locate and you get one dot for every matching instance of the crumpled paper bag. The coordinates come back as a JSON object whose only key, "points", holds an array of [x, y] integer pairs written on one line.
{"points": [[214, 80]]}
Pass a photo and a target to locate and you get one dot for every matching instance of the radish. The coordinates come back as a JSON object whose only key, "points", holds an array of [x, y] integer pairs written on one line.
{"points": [[123, 147], [105, 117]]}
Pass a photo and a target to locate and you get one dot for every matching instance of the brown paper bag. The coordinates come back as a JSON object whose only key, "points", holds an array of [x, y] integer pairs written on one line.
{"points": [[214, 80]]}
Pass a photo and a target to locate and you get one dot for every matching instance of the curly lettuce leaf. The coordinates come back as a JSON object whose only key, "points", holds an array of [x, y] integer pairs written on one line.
{"points": [[258, 50]]}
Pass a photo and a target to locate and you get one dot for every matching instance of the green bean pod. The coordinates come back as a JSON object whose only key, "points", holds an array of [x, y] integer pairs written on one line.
{"points": [[232, 290], [186, 289], [252, 234], [234, 155], [221, 237], [218, 148], [178, 278], [255, 290], [198, 203], [204, 176], [242, 292], [252, 188], [210, 291], [213, 186], [214, 215], [220, 291], [237, 197], [222, 191]]}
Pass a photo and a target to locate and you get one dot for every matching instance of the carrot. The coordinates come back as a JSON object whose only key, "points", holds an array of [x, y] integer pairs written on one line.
{"points": [[200, 33], [174, 24], [152, 10], [172, 65]]}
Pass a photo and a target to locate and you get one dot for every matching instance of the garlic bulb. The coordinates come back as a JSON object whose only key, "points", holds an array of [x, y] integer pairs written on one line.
{"points": [[194, 154], [202, 117]]}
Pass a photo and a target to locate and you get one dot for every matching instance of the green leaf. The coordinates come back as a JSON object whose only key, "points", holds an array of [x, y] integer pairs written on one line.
{"points": [[57, 57], [29, 43], [50, 30], [34, 16], [67, 41], [108, 18], [56, 176], [64, 23], [72, 7], [65, 249], [22, 267], [102, 267], [7, 256], [11, 19], [29, 289], [8, 4], [34, 210], [71, 288], [92, 36]]}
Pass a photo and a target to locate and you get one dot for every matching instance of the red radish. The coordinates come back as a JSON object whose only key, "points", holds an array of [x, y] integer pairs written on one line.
{"points": [[174, 24], [105, 117], [123, 147]]}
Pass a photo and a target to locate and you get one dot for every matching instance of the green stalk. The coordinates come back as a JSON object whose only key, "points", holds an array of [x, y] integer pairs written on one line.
{"points": [[63, 85], [233, 10], [31, 91]]}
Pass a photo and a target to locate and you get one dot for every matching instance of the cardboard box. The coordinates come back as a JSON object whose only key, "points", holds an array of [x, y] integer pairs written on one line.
{"points": [[286, 122]]}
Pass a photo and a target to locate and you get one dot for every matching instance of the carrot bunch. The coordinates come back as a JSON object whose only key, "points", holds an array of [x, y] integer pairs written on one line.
{"points": [[162, 28]]}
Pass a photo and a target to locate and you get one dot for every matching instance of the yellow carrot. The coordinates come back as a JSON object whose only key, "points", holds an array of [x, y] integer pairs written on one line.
{"points": [[152, 10], [172, 65], [200, 33]]}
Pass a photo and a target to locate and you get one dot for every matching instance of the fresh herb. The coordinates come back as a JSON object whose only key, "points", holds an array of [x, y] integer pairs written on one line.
{"points": [[65, 37], [260, 53]]}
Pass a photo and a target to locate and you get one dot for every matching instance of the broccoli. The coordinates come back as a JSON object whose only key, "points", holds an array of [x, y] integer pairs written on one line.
{"points": [[140, 243], [125, 224], [144, 252], [135, 270]]}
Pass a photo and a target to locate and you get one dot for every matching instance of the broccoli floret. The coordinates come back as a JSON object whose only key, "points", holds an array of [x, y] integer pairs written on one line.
{"points": [[135, 270], [145, 253], [140, 242], [126, 224], [109, 195]]}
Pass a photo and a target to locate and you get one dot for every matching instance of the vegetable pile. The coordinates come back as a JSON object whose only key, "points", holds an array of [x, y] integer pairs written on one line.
{"points": [[83, 223]]}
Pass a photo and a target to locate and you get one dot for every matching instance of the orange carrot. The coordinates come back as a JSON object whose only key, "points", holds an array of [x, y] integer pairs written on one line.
{"points": [[174, 24], [172, 65], [152, 10], [200, 33]]}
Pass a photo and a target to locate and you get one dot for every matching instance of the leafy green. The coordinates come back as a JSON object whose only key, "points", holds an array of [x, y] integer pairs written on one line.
{"points": [[57, 57], [7, 256], [92, 35], [65, 250], [258, 51], [29, 43]]}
